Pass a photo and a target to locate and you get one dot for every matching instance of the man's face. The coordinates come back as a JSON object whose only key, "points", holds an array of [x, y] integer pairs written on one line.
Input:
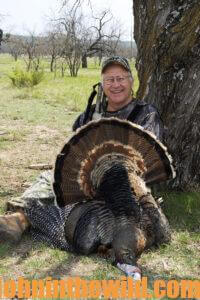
{"points": [[117, 85]]}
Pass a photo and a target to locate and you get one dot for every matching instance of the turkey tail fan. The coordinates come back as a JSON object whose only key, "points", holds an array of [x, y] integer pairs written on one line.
{"points": [[96, 147]]}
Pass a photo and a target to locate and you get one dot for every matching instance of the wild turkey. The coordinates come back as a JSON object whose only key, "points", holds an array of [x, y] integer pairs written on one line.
{"points": [[105, 166]]}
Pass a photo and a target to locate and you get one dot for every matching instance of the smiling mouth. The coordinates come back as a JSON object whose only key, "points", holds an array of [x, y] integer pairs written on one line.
{"points": [[116, 92]]}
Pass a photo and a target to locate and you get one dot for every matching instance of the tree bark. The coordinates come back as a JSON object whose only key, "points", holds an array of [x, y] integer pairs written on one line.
{"points": [[167, 33]]}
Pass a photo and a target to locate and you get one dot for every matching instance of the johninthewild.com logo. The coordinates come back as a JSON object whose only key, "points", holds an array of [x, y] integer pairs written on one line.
{"points": [[77, 288]]}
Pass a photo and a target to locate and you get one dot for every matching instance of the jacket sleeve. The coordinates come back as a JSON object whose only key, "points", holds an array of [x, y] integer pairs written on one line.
{"points": [[153, 122]]}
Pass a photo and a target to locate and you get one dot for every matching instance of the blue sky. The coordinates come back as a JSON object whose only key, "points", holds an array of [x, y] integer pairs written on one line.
{"points": [[23, 15]]}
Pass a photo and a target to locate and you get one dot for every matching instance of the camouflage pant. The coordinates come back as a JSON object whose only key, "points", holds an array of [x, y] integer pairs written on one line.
{"points": [[41, 190], [47, 220]]}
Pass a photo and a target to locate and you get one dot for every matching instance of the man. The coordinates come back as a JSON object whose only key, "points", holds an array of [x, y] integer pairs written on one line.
{"points": [[117, 101], [117, 82]]}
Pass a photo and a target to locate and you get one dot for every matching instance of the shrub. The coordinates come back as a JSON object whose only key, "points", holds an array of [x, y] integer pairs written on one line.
{"points": [[21, 78]]}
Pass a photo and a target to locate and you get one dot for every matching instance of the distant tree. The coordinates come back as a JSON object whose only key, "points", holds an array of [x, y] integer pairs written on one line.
{"points": [[102, 37], [33, 49], [1, 32], [71, 31], [54, 46], [14, 46], [1, 36], [86, 36]]}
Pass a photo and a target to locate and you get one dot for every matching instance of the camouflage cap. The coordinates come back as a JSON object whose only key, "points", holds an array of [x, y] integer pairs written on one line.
{"points": [[120, 60]]}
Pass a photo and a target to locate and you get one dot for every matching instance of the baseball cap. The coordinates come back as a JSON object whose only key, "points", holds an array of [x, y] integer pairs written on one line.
{"points": [[120, 60]]}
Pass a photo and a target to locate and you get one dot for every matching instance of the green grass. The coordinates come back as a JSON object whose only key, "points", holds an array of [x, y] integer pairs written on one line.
{"points": [[12, 136], [183, 210], [36, 122]]}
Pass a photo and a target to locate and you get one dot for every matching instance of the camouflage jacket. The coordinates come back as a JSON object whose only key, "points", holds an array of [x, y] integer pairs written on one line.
{"points": [[137, 111]]}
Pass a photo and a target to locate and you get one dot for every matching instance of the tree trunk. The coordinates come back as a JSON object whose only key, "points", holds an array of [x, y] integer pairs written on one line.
{"points": [[167, 33], [1, 36], [52, 63], [15, 56], [62, 69], [84, 61], [100, 56]]}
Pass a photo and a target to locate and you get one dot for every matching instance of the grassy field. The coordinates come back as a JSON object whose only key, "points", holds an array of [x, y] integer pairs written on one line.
{"points": [[34, 124]]}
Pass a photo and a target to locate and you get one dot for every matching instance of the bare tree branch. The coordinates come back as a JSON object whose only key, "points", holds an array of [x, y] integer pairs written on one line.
{"points": [[85, 37]]}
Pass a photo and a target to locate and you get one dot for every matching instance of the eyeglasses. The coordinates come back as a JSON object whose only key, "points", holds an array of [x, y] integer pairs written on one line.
{"points": [[120, 79]]}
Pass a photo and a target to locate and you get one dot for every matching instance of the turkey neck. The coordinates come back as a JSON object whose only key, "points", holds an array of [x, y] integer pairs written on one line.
{"points": [[115, 189]]}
